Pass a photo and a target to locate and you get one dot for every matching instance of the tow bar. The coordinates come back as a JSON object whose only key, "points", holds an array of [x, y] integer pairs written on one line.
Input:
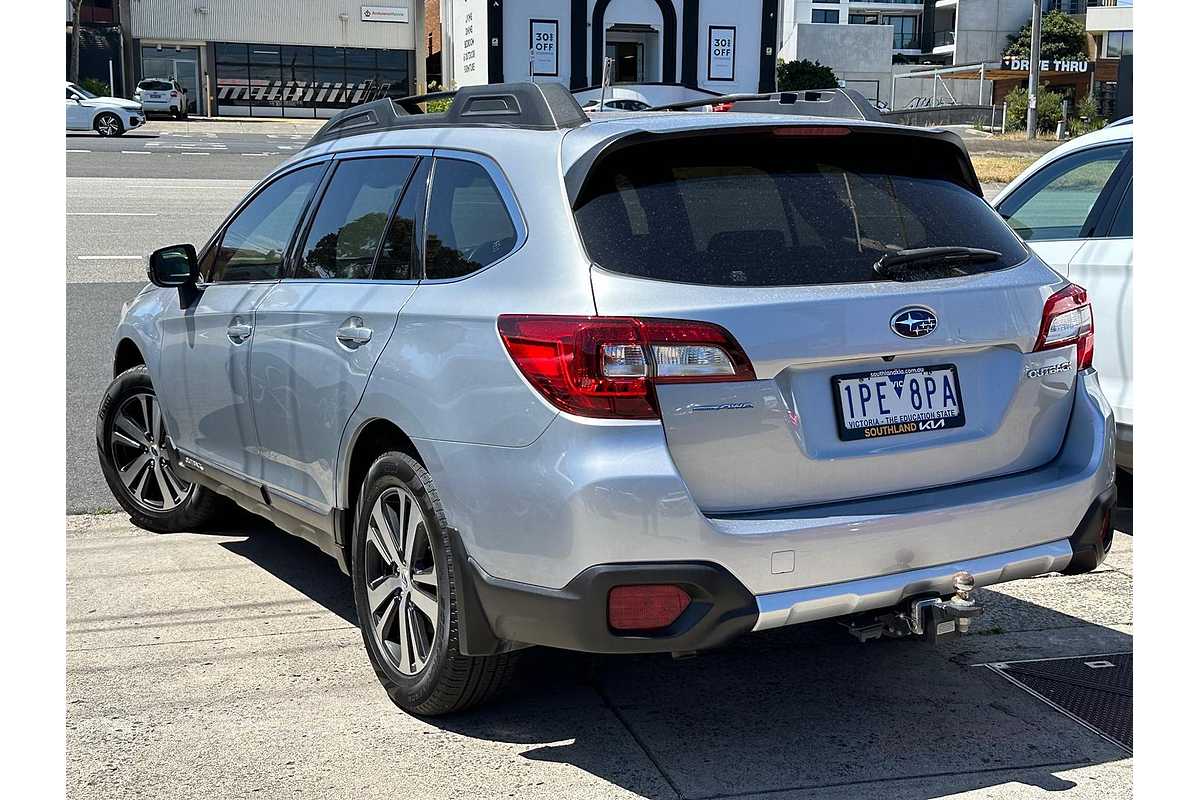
{"points": [[927, 617]]}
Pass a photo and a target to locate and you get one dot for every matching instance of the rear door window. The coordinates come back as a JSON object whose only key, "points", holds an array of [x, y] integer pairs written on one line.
{"points": [[762, 209], [468, 226], [349, 223], [1060, 201]]}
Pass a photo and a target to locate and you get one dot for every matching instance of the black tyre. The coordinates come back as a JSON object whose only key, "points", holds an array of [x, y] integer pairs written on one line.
{"points": [[406, 594], [108, 124], [131, 439]]}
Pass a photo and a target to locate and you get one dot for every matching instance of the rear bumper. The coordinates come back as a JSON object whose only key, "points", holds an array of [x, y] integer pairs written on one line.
{"points": [[506, 613]]}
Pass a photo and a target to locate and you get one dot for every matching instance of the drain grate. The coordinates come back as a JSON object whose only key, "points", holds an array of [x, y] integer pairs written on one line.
{"points": [[1096, 691]]}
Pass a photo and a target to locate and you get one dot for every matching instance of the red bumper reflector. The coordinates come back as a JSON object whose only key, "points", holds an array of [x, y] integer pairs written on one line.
{"points": [[645, 607]]}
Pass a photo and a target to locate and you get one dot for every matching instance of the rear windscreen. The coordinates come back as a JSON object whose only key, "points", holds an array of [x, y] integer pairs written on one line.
{"points": [[154, 86], [765, 209]]}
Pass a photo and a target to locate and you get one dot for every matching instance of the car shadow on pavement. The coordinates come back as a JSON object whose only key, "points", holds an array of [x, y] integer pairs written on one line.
{"points": [[795, 710], [295, 562]]}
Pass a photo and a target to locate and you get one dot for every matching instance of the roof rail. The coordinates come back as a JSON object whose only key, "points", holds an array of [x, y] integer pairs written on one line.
{"points": [[839, 103], [531, 106]]}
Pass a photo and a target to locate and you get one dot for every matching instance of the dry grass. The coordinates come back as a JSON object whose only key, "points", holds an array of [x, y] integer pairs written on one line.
{"points": [[993, 168]]}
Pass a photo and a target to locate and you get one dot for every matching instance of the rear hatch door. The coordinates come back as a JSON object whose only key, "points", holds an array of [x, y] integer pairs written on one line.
{"points": [[867, 385]]}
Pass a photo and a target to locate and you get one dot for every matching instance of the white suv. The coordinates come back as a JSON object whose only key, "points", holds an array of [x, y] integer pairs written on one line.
{"points": [[1074, 206], [107, 116], [163, 95]]}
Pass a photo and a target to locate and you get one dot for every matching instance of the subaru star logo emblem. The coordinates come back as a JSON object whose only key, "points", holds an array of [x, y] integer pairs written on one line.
{"points": [[914, 321]]}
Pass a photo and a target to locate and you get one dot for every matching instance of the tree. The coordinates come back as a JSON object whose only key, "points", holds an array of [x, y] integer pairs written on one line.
{"points": [[1049, 110], [75, 6], [1063, 39], [797, 76]]}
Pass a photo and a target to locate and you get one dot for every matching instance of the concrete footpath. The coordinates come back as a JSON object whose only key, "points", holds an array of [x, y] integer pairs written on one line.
{"points": [[229, 665]]}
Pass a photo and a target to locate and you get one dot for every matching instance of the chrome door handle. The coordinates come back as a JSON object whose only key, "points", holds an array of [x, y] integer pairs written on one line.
{"points": [[353, 332], [238, 331]]}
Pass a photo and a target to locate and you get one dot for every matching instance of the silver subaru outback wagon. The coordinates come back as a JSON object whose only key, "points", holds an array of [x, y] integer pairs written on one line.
{"points": [[638, 383]]}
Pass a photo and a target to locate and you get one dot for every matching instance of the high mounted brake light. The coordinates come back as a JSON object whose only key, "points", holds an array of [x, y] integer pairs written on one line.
{"points": [[607, 366], [811, 130], [1067, 319]]}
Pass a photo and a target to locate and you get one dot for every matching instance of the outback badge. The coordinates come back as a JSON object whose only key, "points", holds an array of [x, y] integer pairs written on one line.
{"points": [[912, 322]]}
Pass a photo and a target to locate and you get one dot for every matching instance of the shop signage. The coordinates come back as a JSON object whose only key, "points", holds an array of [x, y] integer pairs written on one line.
{"points": [[720, 52], [1047, 65], [384, 13], [543, 46]]}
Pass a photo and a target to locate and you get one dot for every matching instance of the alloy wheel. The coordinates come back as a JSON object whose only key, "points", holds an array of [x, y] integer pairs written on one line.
{"points": [[108, 125], [138, 443], [401, 580]]}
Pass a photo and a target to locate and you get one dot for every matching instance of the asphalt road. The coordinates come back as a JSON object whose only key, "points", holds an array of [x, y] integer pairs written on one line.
{"points": [[229, 664], [125, 197]]}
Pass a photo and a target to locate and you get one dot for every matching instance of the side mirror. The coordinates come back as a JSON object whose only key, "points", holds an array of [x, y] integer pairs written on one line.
{"points": [[174, 266]]}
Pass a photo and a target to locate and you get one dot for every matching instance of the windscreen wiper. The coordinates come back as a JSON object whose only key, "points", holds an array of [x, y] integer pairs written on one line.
{"points": [[945, 257]]}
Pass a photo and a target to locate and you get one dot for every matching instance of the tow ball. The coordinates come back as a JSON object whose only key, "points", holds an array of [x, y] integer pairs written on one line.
{"points": [[927, 617], [934, 617]]}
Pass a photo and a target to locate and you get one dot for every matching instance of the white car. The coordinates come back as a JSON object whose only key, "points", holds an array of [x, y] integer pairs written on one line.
{"points": [[1074, 207], [107, 116], [162, 94]]}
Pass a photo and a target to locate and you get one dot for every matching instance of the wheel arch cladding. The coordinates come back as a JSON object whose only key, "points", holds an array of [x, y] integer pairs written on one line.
{"points": [[373, 439], [128, 356]]}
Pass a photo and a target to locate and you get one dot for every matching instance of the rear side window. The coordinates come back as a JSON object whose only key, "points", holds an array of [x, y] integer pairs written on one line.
{"points": [[760, 209], [349, 223], [1059, 202], [254, 243], [468, 225]]}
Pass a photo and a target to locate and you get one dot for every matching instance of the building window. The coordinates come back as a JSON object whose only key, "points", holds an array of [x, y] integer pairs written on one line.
{"points": [[864, 19], [904, 32], [825, 15], [299, 81], [1120, 43]]}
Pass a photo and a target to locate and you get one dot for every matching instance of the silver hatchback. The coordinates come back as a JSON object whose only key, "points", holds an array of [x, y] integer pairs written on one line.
{"points": [[637, 383]]}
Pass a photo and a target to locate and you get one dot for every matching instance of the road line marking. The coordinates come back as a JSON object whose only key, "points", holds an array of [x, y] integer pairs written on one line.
{"points": [[285, 146], [69, 150], [193, 153], [112, 214], [256, 154], [136, 152], [110, 258]]}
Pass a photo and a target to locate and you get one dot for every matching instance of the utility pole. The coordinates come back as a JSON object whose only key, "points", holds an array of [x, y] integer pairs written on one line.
{"points": [[1035, 64]]}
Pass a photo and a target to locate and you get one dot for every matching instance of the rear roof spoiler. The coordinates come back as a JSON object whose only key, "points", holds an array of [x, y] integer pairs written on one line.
{"points": [[578, 172]]}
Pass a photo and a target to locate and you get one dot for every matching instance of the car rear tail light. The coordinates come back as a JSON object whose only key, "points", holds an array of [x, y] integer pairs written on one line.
{"points": [[608, 366], [646, 607], [174, 94], [727, 106], [1067, 319]]}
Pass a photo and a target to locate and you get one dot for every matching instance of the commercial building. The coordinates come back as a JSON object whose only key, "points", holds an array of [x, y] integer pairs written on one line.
{"points": [[720, 45], [276, 58]]}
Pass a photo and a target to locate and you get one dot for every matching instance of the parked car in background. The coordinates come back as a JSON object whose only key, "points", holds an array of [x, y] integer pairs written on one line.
{"points": [[525, 375], [621, 104], [163, 95], [107, 116], [1074, 206]]}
